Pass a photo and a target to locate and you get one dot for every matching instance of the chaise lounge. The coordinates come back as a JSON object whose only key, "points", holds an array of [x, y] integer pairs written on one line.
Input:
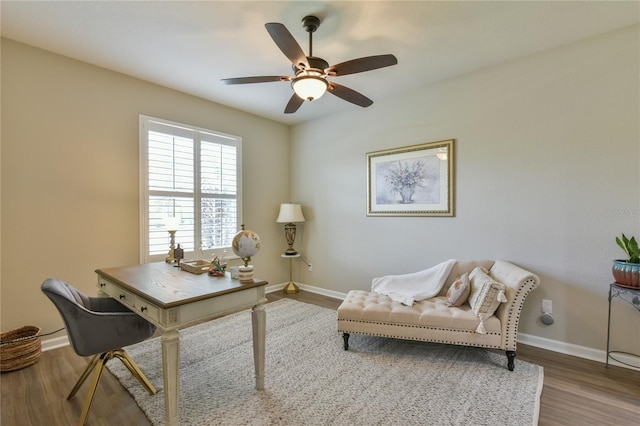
{"points": [[498, 285]]}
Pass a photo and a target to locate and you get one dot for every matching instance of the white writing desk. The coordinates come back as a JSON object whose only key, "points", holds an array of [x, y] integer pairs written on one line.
{"points": [[172, 298]]}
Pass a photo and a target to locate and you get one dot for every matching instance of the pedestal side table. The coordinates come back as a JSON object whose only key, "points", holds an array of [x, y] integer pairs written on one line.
{"points": [[291, 287]]}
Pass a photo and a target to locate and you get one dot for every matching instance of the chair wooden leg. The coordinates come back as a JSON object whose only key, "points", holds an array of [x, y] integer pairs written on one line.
{"points": [[83, 377], [96, 378], [135, 370]]}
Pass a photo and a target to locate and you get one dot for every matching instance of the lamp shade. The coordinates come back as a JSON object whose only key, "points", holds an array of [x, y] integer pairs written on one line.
{"points": [[172, 223], [290, 213], [309, 87]]}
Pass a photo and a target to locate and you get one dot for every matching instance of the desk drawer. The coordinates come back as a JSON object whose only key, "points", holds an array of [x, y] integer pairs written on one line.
{"points": [[123, 296], [146, 309]]}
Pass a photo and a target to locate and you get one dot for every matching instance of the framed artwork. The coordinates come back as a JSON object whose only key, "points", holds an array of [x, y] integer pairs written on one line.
{"points": [[416, 180]]}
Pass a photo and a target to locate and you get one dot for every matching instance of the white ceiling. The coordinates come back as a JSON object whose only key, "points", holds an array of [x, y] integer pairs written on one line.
{"points": [[189, 46]]}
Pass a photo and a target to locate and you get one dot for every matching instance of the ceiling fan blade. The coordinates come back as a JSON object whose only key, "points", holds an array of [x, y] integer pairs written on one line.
{"points": [[349, 95], [294, 104], [367, 63], [261, 79], [287, 44]]}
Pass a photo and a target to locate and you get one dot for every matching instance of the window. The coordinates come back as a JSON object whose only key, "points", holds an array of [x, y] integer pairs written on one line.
{"points": [[193, 175]]}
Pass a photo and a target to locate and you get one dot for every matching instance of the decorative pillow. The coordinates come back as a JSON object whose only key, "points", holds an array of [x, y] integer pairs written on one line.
{"points": [[486, 295], [459, 291]]}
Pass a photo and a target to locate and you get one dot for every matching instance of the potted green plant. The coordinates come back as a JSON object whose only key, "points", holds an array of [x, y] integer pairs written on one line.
{"points": [[627, 272]]}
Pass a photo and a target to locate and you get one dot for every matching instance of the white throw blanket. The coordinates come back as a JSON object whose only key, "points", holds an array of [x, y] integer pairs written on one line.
{"points": [[410, 288]]}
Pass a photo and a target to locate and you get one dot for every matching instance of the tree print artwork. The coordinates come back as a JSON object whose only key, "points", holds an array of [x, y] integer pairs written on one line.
{"points": [[416, 180], [408, 181]]}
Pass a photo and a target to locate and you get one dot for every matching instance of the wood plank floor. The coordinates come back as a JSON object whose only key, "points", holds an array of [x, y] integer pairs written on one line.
{"points": [[576, 391]]}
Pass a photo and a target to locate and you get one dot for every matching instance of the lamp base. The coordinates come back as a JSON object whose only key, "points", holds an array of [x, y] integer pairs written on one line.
{"points": [[291, 288], [290, 252], [245, 274]]}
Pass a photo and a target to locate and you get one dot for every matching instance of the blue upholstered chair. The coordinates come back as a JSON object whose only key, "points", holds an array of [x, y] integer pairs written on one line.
{"points": [[98, 327]]}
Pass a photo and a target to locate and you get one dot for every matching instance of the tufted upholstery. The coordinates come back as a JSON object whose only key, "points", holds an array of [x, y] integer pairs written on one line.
{"points": [[434, 313], [364, 312]]}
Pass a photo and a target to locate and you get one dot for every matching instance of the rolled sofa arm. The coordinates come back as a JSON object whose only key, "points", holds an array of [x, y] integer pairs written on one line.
{"points": [[519, 283]]}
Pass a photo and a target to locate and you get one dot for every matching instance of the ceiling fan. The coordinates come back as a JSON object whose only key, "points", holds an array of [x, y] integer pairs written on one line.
{"points": [[311, 73]]}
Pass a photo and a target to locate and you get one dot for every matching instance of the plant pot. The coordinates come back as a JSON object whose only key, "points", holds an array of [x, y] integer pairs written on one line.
{"points": [[625, 273]]}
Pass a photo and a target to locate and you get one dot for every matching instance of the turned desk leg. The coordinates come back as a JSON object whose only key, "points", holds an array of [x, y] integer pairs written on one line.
{"points": [[170, 368], [259, 323]]}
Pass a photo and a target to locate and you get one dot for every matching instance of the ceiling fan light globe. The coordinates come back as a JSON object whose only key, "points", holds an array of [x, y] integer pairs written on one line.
{"points": [[309, 87]]}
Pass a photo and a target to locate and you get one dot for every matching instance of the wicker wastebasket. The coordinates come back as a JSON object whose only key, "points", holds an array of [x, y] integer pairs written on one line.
{"points": [[20, 348]]}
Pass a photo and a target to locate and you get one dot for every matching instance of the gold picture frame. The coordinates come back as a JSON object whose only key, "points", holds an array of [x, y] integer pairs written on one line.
{"points": [[416, 180]]}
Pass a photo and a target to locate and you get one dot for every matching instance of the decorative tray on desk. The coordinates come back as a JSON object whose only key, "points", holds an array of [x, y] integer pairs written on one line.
{"points": [[196, 266]]}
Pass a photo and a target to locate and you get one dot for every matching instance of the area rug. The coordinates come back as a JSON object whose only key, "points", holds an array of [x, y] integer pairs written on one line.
{"points": [[311, 380]]}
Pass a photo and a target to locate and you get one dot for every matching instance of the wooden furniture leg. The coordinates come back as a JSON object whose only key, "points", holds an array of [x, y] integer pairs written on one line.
{"points": [[258, 323], [345, 336], [170, 368], [511, 357]]}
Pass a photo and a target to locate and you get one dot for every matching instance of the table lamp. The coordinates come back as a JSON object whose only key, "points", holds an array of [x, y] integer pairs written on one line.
{"points": [[172, 224], [290, 213]]}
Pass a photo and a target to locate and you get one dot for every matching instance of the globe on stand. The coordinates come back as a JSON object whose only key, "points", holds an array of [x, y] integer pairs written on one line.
{"points": [[246, 244]]}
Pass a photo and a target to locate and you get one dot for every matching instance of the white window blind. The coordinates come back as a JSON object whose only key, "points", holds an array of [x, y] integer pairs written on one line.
{"points": [[191, 174]]}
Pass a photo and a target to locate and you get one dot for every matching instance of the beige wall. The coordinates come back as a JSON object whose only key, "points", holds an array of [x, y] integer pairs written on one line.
{"points": [[70, 174], [547, 153]]}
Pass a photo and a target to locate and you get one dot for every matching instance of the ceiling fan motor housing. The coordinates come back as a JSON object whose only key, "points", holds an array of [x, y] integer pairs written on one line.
{"points": [[315, 64], [310, 23]]}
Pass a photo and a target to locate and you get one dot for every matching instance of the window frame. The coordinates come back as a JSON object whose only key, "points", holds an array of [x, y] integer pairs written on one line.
{"points": [[145, 122]]}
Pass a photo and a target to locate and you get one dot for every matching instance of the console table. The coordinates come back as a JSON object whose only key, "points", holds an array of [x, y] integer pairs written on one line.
{"points": [[631, 296], [172, 298]]}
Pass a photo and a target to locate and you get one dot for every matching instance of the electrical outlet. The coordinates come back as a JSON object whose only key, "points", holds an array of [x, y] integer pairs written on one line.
{"points": [[546, 306], [310, 267]]}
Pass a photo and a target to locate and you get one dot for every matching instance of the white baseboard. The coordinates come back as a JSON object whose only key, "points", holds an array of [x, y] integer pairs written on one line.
{"points": [[526, 339], [311, 289], [55, 343], [578, 351], [272, 288], [323, 291]]}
